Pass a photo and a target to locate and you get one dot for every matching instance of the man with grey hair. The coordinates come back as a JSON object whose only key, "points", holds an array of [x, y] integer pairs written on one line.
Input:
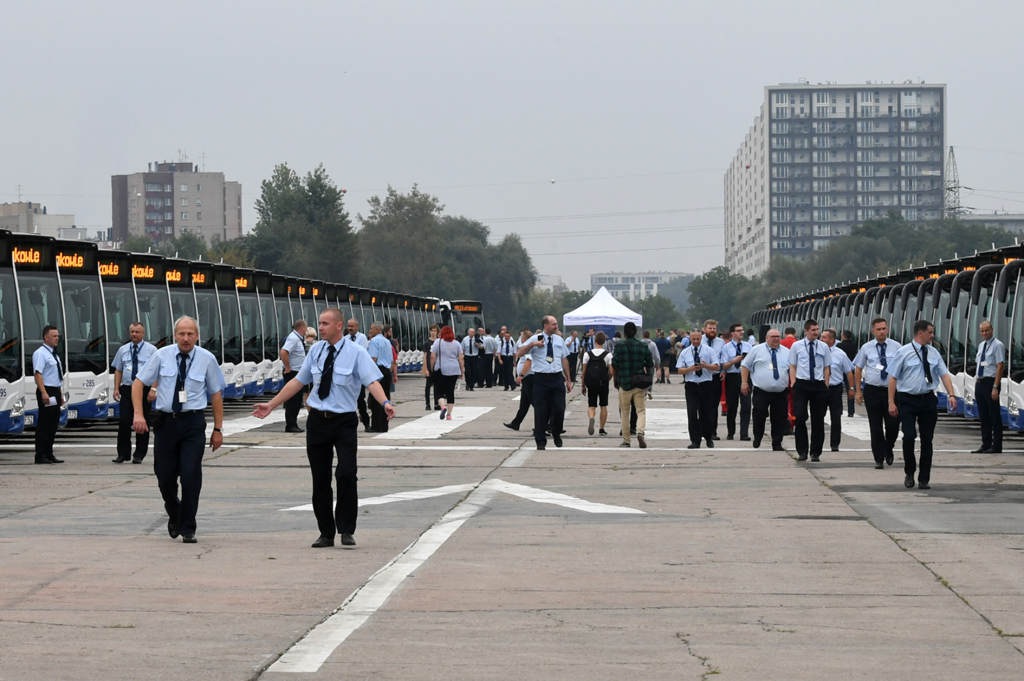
{"points": [[381, 353], [185, 374]]}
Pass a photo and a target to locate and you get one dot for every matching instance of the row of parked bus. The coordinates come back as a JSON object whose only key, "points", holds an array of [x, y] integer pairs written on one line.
{"points": [[955, 295], [92, 296]]}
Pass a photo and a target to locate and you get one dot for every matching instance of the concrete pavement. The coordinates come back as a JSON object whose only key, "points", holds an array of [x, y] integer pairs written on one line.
{"points": [[743, 563]]}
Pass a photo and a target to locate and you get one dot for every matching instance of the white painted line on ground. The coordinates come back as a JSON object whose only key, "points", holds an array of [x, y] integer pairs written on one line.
{"points": [[544, 496], [399, 496], [858, 428], [309, 653], [515, 399], [666, 424], [518, 458], [247, 423], [431, 427]]}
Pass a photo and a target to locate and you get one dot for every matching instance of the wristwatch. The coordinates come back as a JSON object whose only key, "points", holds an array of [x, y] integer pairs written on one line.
{"points": [[218, 430]]}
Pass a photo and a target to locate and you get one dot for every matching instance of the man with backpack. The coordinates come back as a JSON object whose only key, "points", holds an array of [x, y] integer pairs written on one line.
{"points": [[633, 372], [596, 362]]}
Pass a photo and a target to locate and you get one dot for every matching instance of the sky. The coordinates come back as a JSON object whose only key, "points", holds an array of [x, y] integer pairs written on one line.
{"points": [[595, 130]]}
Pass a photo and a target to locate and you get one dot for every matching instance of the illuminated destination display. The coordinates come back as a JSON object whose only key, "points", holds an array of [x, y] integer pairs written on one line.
{"points": [[110, 269], [25, 256], [173, 275], [241, 282], [143, 272], [198, 277], [70, 260], [463, 307]]}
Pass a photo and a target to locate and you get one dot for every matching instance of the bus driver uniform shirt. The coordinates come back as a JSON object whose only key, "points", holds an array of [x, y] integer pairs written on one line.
{"points": [[548, 386], [917, 370], [990, 354], [810, 392], [873, 360], [46, 363], [130, 360], [337, 373]]}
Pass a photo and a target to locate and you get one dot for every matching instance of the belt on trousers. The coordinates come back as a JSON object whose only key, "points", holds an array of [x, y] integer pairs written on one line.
{"points": [[182, 414], [328, 414]]}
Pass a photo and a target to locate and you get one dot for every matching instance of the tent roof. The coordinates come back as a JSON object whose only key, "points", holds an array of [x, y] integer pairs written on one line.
{"points": [[604, 310]]}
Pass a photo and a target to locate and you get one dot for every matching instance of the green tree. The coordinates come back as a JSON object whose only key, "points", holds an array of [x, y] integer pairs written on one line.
{"points": [[137, 243], [232, 252], [659, 312], [715, 295], [186, 245], [678, 292]]}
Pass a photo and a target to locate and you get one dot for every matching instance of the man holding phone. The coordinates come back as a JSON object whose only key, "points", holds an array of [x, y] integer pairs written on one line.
{"points": [[732, 355]]}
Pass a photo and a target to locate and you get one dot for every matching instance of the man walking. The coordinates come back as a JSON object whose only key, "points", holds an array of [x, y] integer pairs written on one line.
{"points": [[187, 374], [523, 378], [840, 372], [766, 369], [871, 368], [471, 349], [359, 338], [129, 360], [48, 372], [712, 340], [336, 368], [913, 377], [665, 353], [549, 364], [293, 354], [487, 358], [991, 361], [698, 363], [507, 361], [732, 355], [848, 346], [382, 354], [809, 362], [630, 359]]}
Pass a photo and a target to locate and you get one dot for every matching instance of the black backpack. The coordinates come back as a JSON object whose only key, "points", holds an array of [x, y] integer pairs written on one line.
{"points": [[597, 370]]}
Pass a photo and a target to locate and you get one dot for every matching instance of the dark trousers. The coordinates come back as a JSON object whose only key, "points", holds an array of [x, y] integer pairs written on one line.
{"points": [[989, 414], [776, 405], [716, 383], [428, 384], [548, 405], [379, 417], [124, 425], [700, 398], [293, 404], [323, 436], [498, 369], [850, 401], [178, 454], [734, 399], [573, 360], [811, 394], [485, 376], [836, 407], [47, 422], [525, 400], [507, 370], [472, 364], [885, 428], [364, 416], [918, 411]]}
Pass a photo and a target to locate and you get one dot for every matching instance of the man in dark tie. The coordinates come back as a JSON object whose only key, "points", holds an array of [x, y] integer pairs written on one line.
{"points": [[129, 360], [48, 371]]}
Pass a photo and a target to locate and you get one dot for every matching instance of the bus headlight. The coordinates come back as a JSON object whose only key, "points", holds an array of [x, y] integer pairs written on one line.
{"points": [[1014, 411], [968, 398], [240, 381], [102, 398], [18, 408]]}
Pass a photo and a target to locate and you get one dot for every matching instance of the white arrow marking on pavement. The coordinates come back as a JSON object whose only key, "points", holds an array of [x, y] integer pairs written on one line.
{"points": [[431, 428], [310, 652], [399, 496]]}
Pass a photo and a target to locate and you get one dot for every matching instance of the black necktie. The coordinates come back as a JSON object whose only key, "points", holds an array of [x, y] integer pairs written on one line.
{"points": [[696, 362], [179, 385], [810, 358], [551, 349], [882, 361], [327, 377], [738, 350], [926, 364], [984, 349], [353, 337], [60, 367], [135, 360], [775, 366]]}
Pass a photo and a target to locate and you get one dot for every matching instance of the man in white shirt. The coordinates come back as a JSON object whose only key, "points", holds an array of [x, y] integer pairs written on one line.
{"points": [[293, 354], [991, 362], [809, 362], [841, 368], [871, 369]]}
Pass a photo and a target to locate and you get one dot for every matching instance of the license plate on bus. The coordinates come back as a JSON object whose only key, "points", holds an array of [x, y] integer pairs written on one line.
{"points": [[30, 420], [72, 413], [110, 413]]}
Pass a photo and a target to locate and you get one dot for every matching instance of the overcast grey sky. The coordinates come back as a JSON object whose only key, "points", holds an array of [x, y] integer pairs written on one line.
{"points": [[634, 109]]}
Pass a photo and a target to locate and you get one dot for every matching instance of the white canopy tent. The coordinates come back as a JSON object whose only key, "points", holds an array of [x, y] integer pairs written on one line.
{"points": [[602, 310]]}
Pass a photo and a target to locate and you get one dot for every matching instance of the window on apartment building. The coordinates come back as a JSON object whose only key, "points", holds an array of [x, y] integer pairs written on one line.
{"points": [[167, 187], [184, 216], [199, 187], [199, 216], [168, 216], [199, 202], [184, 202], [153, 187], [184, 187], [167, 201]]}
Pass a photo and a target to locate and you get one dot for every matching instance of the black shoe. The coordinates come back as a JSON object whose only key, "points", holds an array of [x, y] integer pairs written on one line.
{"points": [[541, 448], [711, 443], [778, 448], [136, 460], [641, 440], [744, 438], [728, 437], [801, 457], [757, 443], [879, 465], [293, 429], [429, 408], [816, 458], [995, 450], [923, 485], [602, 432], [506, 389], [889, 459], [715, 437], [908, 482], [693, 445], [323, 542], [632, 431], [835, 449], [347, 540], [53, 459], [120, 459], [188, 538], [43, 461], [172, 528], [981, 450], [509, 425], [624, 444], [558, 440]]}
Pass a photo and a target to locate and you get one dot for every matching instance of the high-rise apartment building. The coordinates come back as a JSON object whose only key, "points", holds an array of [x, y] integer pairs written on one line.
{"points": [[173, 198], [822, 158], [633, 285]]}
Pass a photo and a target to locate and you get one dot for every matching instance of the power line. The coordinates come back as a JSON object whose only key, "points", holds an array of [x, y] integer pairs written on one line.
{"points": [[993, 151], [581, 216]]}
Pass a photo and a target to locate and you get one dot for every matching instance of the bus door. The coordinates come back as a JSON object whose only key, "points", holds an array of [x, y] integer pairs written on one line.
{"points": [[179, 282], [283, 315], [231, 325], [982, 287], [85, 330], [252, 331], [35, 266], [959, 317], [1008, 325], [270, 368], [307, 305], [941, 316], [119, 302], [211, 332], [12, 360]]}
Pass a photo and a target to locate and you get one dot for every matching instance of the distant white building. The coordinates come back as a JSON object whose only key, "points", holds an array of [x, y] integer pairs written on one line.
{"points": [[547, 282], [1011, 222], [31, 218], [632, 285]]}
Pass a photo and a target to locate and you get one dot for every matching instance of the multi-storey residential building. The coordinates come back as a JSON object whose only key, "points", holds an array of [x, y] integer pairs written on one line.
{"points": [[173, 198], [1011, 222], [632, 285], [32, 218], [822, 158]]}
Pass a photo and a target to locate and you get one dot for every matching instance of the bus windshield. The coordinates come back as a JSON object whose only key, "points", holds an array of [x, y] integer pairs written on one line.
{"points": [[942, 323], [1015, 350], [958, 328], [183, 304], [84, 332], [120, 300], [155, 313], [41, 306], [10, 341], [978, 314], [267, 313], [210, 334], [252, 329], [284, 319], [230, 324]]}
